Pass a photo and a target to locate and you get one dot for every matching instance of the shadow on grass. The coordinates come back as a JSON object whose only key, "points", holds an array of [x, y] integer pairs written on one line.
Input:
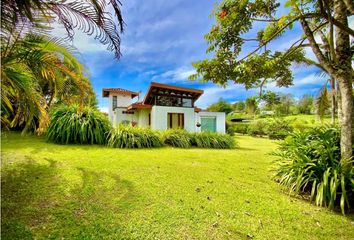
{"points": [[37, 202]]}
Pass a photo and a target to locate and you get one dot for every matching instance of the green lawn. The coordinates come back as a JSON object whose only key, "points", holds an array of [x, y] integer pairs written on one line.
{"points": [[91, 192]]}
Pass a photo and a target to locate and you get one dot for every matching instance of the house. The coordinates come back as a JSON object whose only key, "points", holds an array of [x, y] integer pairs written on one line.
{"points": [[163, 107]]}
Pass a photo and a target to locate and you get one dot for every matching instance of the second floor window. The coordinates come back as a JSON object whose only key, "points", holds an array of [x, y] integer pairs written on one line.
{"points": [[114, 103]]}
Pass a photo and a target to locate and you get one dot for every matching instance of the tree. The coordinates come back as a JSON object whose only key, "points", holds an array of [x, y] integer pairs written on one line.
{"points": [[91, 17], [239, 106], [285, 103], [305, 104], [271, 99], [36, 72], [322, 103], [220, 106], [251, 105], [262, 65]]}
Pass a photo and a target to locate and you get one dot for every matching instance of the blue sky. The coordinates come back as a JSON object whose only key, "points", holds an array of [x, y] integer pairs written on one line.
{"points": [[160, 41]]}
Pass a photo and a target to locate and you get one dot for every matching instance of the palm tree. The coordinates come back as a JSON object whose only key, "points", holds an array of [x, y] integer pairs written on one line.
{"points": [[35, 72], [89, 16]]}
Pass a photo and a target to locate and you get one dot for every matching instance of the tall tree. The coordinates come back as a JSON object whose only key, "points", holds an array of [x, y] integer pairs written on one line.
{"points": [[305, 104], [316, 17], [239, 106], [221, 106], [271, 99], [251, 105]]}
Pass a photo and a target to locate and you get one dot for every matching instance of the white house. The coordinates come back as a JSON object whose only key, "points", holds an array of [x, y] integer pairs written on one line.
{"points": [[163, 107]]}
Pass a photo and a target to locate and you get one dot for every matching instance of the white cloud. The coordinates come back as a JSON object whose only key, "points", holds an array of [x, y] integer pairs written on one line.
{"points": [[309, 79], [174, 76], [232, 91], [103, 109]]}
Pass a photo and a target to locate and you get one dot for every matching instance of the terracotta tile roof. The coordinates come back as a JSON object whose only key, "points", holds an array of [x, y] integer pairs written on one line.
{"points": [[106, 91], [139, 105]]}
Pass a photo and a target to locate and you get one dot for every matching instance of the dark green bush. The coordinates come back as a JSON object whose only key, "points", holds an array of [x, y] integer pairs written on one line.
{"points": [[177, 138], [258, 128], [278, 129], [125, 136], [310, 162], [70, 124], [212, 140], [241, 128]]}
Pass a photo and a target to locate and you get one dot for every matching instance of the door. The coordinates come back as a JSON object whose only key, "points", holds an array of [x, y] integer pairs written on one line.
{"points": [[208, 124]]}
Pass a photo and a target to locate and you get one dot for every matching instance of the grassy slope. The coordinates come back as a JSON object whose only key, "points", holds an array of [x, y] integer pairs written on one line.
{"points": [[92, 192]]}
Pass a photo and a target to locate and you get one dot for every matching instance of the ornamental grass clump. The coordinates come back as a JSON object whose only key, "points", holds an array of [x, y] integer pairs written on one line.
{"points": [[126, 136], [310, 163], [212, 140], [177, 138], [71, 124]]}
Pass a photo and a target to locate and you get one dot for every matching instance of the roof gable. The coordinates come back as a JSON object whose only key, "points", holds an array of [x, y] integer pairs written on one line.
{"points": [[106, 91]]}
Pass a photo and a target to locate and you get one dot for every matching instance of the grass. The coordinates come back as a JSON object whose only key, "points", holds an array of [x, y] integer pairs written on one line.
{"points": [[54, 191]]}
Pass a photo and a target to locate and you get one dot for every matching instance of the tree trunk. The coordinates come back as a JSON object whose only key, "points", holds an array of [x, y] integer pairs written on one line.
{"points": [[339, 104], [346, 91], [333, 98], [344, 76]]}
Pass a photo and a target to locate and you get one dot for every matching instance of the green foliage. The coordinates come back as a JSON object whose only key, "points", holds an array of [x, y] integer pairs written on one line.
{"points": [[241, 128], [177, 138], [91, 17], [305, 104], [220, 106], [258, 128], [284, 107], [251, 105], [125, 136], [271, 99], [278, 128], [36, 73], [183, 139], [310, 162], [71, 124], [322, 102], [274, 128], [239, 106], [212, 140]]}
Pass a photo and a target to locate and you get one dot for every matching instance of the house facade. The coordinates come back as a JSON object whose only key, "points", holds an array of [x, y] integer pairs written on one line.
{"points": [[163, 107]]}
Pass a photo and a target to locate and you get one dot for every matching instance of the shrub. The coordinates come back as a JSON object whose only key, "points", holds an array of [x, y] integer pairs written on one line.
{"points": [[124, 136], [231, 131], [177, 138], [69, 124], [241, 128], [310, 162], [212, 140], [278, 129], [257, 128]]}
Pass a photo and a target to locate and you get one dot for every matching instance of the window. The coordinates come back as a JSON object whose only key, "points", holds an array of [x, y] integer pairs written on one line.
{"points": [[114, 103], [127, 112], [173, 101], [175, 120], [186, 102]]}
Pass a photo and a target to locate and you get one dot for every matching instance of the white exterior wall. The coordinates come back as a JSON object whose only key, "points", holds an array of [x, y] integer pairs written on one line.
{"points": [[220, 120], [159, 117], [143, 117], [123, 101], [119, 116]]}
